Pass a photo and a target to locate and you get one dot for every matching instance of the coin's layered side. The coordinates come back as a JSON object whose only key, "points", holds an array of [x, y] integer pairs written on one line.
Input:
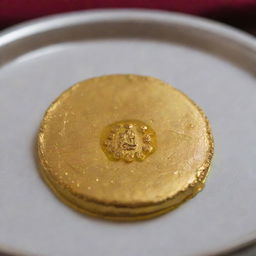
{"points": [[124, 147]]}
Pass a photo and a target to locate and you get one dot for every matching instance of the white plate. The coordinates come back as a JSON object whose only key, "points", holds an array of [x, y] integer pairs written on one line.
{"points": [[214, 64]]}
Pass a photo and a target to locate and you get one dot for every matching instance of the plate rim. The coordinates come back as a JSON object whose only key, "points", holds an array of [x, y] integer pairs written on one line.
{"points": [[30, 27]]}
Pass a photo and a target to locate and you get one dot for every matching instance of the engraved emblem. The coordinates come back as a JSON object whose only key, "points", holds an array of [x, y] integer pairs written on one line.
{"points": [[128, 140]]}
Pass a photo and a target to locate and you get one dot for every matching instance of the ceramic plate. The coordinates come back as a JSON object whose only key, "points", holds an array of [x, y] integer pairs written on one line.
{"points": [[212, 63]]}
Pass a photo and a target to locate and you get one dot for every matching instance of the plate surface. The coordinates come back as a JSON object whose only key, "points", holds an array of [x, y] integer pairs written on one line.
{"points": [[215, 65]]}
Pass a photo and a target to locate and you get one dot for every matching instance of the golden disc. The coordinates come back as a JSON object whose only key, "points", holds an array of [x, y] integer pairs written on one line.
{"points": [[124, 147]]}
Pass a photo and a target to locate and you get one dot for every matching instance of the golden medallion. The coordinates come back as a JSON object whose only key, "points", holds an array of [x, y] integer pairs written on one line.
{"points": [[124, 147], [128, 140]]}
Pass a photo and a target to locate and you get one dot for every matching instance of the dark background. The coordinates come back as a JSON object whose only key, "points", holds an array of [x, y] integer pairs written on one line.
{"points": [[238, 13]]}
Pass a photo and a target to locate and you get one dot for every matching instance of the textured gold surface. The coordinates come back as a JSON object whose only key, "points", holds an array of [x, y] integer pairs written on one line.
{"points": [[124, 147]]}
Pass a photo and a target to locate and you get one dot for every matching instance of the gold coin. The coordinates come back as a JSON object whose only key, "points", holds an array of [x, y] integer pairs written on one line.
{"points": [[124, 147]]}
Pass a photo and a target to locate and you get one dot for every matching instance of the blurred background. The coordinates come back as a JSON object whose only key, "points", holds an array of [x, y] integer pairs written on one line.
{"points": [[237, 13]]}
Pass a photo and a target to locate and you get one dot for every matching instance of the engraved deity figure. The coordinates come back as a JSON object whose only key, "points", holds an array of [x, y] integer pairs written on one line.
{"points": [[127, 140]]}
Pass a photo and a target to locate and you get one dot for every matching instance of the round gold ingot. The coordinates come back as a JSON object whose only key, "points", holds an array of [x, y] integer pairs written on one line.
{"points": [[124, 147]]}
